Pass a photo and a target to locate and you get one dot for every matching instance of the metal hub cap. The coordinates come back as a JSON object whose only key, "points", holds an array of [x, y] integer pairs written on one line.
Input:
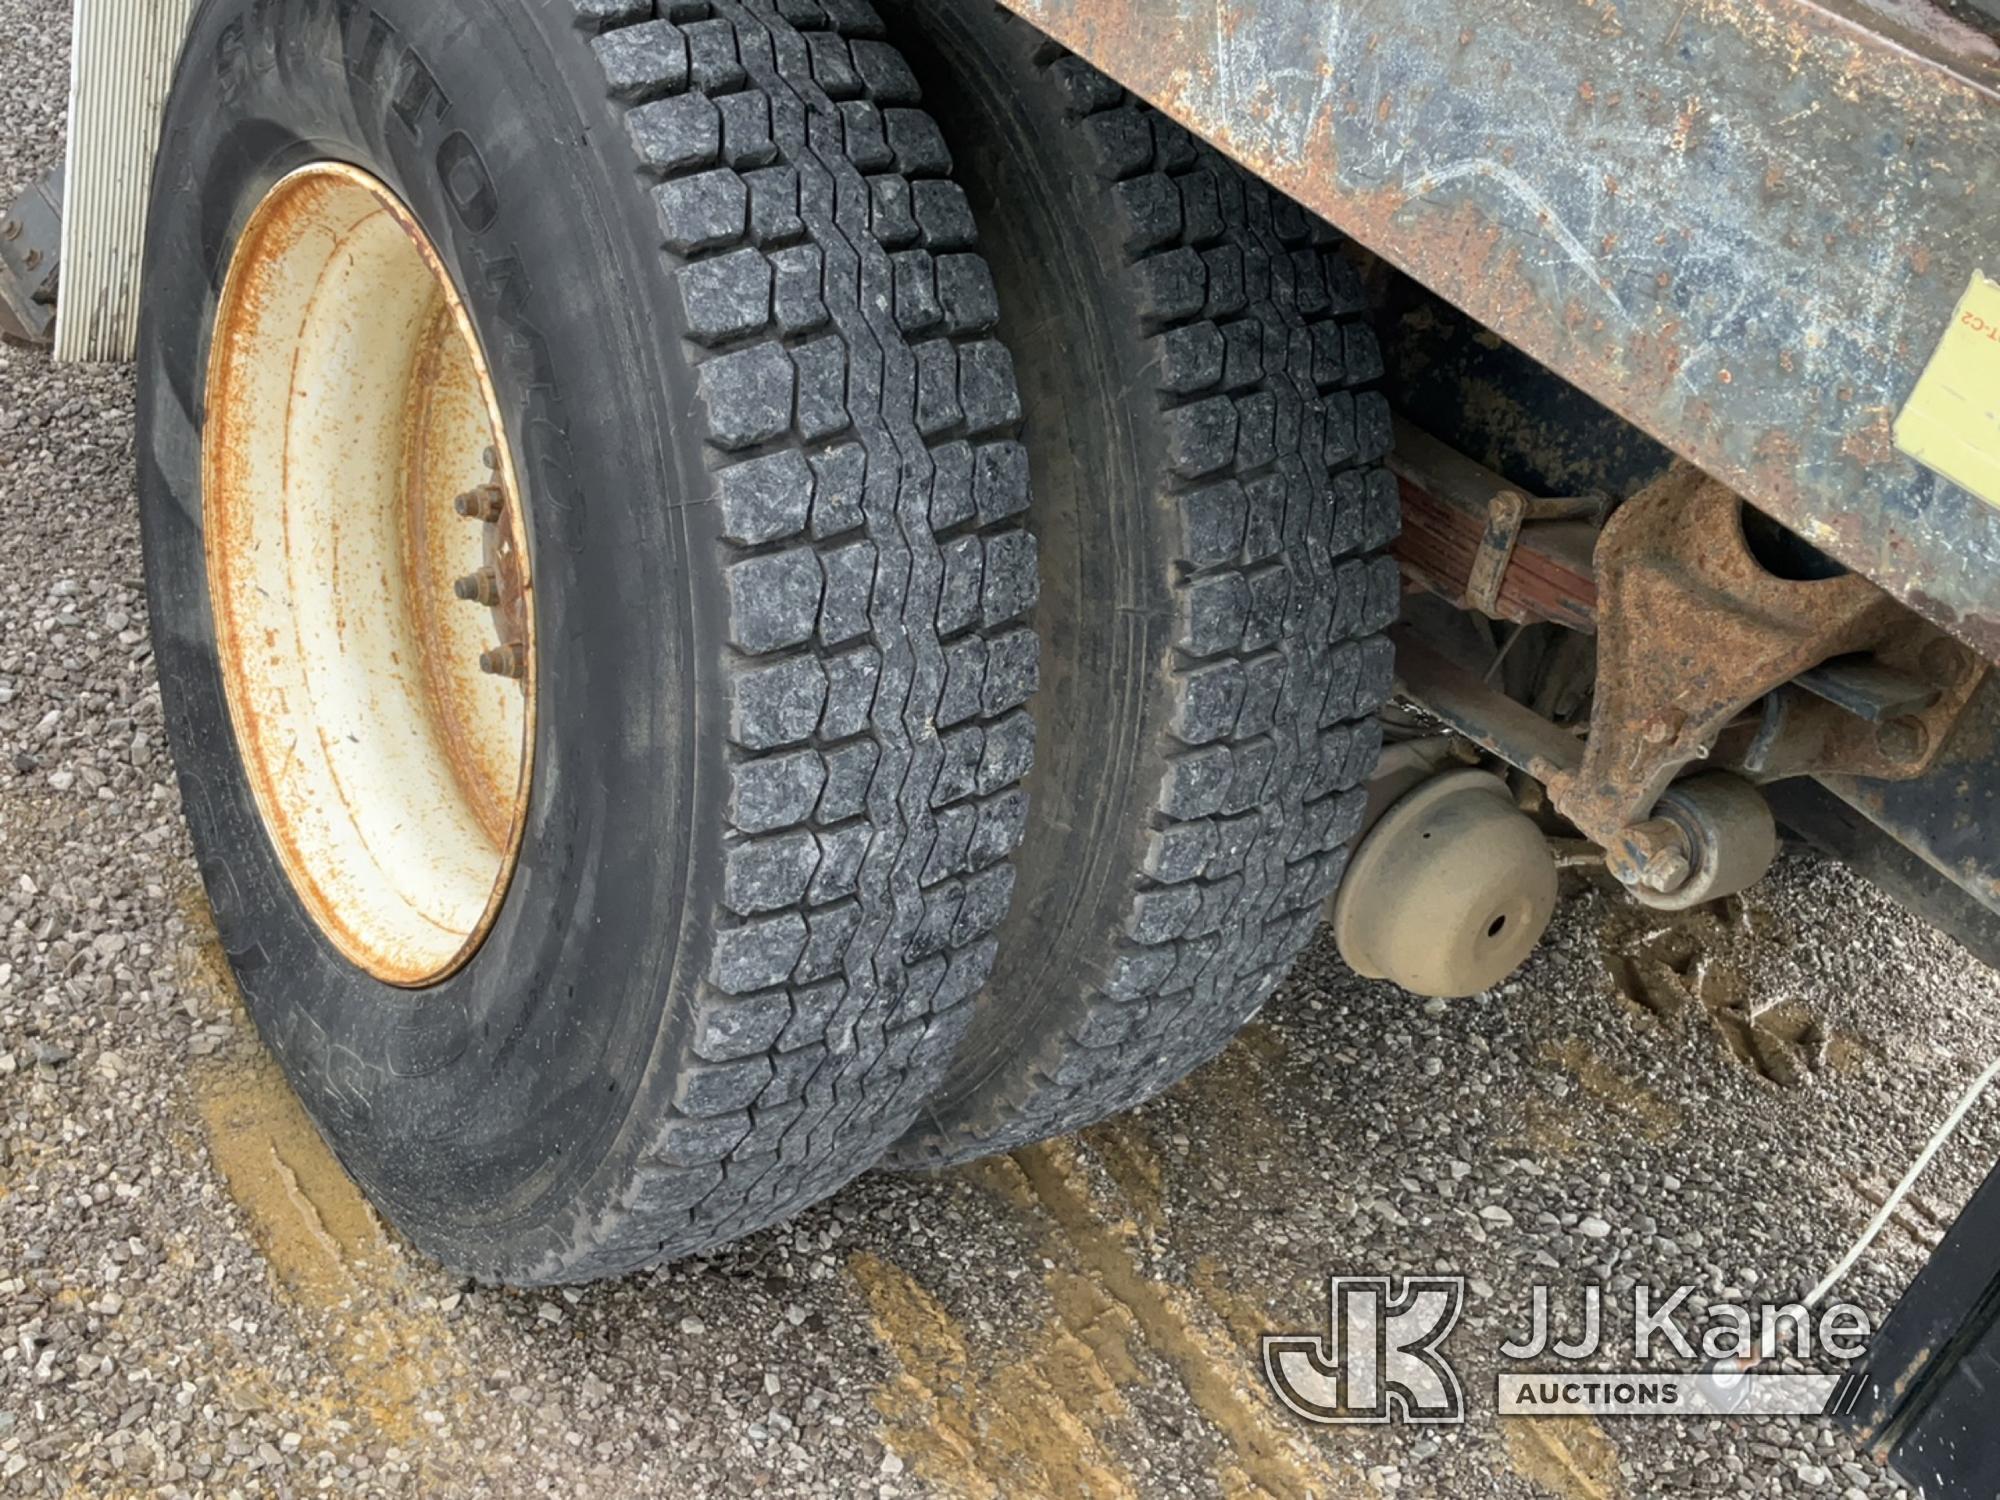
{"points": [[368, 569]]}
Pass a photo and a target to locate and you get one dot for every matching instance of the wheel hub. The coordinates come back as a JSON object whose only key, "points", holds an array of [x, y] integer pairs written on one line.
{"points": [[357, 490]]}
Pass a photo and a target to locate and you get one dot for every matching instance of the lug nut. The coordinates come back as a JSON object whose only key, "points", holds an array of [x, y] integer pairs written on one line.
{"points": [[510, 660], [482, 504], [482, 587]]}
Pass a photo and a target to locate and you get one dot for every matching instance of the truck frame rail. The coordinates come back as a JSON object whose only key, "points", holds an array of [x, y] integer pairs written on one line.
{"points": [[1744, 225]]}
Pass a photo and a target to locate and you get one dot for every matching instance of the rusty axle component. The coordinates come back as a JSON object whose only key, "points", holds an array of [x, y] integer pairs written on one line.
{"points": [[1712, 837], [1697, 623], [1693, 628]]}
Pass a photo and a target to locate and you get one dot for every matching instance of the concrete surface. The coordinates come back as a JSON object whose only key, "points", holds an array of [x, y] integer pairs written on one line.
{"points": [[194, 1300]]}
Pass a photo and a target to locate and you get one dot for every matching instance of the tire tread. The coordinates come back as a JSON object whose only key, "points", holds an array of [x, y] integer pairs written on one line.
{"points": [[1271, 445], [802, 200]]}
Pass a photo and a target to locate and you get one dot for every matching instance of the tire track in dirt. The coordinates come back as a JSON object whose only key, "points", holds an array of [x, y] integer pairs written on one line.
{"points": [[398, 1372], [1052, 1417]]}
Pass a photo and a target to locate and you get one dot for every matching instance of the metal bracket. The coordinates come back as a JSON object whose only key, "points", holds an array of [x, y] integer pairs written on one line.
{"points": [[1507, 512], [30, 251], [1692, 629], [1886, 716], [1471, 538], [1699, 618]]}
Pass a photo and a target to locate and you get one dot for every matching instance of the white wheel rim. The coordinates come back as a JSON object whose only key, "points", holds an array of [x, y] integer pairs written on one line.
{"points": [[348, 407]]}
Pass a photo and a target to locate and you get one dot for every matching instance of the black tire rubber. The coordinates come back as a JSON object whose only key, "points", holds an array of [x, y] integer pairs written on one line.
{"points": [[1212, 510], [780, 572]]}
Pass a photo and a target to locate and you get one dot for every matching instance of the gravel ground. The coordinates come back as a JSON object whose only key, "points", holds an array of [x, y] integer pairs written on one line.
{"points": [[194, 1300]]}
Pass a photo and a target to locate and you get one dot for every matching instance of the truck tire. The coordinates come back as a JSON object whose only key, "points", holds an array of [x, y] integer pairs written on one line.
{"points": [[1211, 508], [725, 297]]}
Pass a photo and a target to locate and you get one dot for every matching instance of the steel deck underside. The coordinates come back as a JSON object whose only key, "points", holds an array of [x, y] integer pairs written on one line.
{"points": [[1742, 224]]}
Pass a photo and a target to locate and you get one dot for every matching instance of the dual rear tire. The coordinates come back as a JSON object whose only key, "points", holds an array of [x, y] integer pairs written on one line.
{"points": [[757, 424], [1212, 507]]}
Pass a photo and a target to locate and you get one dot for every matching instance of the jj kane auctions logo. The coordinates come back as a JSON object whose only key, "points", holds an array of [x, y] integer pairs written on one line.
{"points": [[1382, 1357]]}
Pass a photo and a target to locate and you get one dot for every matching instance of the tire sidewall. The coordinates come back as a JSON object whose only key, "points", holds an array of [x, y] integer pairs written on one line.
{"points": [[486, 1113]]}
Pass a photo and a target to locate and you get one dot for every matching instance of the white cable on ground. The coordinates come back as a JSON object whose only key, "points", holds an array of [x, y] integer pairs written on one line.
{"points": [[1895, 1200], [1734, 1368]]}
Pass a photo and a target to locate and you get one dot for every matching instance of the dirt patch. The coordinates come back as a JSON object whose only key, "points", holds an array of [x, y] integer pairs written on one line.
{"points": [[1263, 1452], [1570, 1457], [1701, 967], [1032, 1418], [1062, 1407], [400, 1375], [310, 1220], [399, 1371]]}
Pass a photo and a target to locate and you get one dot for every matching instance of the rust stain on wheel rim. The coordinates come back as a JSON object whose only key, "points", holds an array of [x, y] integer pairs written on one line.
{"points": [[348, 406]]}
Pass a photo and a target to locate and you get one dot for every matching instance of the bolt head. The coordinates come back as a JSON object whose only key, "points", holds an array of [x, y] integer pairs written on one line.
{"points": [[1653, 838], [1903, 739], [1653, 854], [1663, 726], [1669, 872]]}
